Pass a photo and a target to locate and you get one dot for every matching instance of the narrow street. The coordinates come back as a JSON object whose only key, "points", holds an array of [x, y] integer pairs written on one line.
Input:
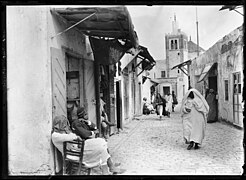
{"points": [[150, 146]]}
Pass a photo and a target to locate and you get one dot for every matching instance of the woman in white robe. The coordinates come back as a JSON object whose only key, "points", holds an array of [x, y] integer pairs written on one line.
{"points": [[194, 111], [169, 104]]}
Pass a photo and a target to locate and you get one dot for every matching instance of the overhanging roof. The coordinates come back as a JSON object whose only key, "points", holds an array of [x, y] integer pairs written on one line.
{"points": [[109, 22], [147, 62], [206, 71], [181, 64], [147, 58]]}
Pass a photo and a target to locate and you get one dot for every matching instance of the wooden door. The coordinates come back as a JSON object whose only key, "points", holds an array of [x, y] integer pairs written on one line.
{"points": [[237, 99], [89, 88], [126, 93], [58, 79]]}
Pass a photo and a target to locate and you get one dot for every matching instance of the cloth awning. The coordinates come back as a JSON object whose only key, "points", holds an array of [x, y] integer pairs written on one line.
{"points": [[107, 22], [206, 71], [107, 52], [147, 62]]}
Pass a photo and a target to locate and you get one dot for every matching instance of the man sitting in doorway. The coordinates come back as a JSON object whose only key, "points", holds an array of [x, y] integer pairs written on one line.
{"points": [[105, 124], [95, 150]]}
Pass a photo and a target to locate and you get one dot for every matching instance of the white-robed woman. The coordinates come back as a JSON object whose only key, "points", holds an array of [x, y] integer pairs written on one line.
{"points": [[194, 111]]}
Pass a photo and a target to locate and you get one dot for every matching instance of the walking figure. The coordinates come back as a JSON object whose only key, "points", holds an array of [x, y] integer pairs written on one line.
{"points": [[194, 111], [175, 102]]}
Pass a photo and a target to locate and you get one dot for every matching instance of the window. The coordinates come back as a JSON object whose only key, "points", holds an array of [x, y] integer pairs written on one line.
{"points": [[163, 74], [173, 44], [176, 44], [226, 90]]}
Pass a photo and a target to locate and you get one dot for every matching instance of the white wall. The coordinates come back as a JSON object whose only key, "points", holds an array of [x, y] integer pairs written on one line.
{"points": [[29, 91], [29, 31]]}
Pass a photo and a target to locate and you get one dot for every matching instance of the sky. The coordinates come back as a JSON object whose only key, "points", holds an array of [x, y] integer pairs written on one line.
{"points": [[152, 23]]}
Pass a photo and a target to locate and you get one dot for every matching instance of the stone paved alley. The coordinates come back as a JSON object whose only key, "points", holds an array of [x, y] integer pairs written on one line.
{"points": [[148, 146]]}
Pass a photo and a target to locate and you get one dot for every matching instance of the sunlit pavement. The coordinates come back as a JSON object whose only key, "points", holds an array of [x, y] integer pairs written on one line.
{"points": [[150, 146]]}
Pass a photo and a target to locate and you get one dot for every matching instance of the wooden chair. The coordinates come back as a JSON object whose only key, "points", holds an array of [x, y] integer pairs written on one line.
{"points": [[73, 157]]}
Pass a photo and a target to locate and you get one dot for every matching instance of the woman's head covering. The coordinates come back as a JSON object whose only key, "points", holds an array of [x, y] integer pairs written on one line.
{"points": [[200, 100], [61, 125]]}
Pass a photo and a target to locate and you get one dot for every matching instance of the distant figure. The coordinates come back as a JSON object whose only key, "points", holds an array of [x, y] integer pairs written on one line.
{"points": [[160, 103], [211, 100], [169, 100], [175, 102], [147, 107], [194, 111]]}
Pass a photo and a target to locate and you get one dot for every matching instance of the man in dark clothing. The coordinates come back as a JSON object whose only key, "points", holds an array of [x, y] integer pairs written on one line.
{"points": [[82, 126], [88, 130], [175, 102]]}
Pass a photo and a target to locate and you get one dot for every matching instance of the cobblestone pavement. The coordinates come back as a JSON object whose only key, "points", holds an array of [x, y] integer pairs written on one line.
{"points": [[150, 146]]}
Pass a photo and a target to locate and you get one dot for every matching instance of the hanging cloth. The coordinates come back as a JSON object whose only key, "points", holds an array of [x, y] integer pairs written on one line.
{"points": [[107, 52]]}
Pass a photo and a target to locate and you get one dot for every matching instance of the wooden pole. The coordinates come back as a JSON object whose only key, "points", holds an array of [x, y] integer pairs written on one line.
{"points": [[197, 34]]}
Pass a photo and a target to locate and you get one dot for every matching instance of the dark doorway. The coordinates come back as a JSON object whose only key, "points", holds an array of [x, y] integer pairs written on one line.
{"points": [[118, 105], [212, 84], [166, 89]]}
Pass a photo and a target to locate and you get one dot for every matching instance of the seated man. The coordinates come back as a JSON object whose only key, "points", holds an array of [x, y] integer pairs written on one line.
{"points": [[82, 126], [95, 149], [105, 124]]}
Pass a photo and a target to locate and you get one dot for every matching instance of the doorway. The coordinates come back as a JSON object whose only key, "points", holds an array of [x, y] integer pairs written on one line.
{"points": [[166, 89], [212, 84], [118, 106]]}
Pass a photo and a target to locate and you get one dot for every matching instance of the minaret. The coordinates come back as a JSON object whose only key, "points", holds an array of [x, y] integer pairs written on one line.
{"points": [[175, 26]]}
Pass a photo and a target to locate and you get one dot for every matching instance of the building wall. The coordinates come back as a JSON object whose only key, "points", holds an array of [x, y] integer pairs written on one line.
{"points": [[29, 31], [229, 62], [29, 91]]}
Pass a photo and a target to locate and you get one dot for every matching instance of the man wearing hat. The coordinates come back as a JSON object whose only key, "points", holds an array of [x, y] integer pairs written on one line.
{"points": [[88, 130], [82, 126]]}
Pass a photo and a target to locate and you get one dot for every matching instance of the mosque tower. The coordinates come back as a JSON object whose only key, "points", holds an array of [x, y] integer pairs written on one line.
{"points": [[176, 49]]}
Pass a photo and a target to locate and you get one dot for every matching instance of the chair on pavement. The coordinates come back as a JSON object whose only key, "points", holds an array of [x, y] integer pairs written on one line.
{"points": [[73, 157]]}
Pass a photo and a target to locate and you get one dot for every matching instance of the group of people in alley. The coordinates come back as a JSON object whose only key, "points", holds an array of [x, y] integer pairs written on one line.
{"points": [[162, 106], [195, 109], [96, 152]]}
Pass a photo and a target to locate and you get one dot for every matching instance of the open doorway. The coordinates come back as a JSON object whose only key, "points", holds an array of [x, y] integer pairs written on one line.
{"points": [[166, 89]]}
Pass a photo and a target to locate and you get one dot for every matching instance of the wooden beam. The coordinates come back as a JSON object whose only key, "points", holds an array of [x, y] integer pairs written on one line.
{"points": [[183, 71]]}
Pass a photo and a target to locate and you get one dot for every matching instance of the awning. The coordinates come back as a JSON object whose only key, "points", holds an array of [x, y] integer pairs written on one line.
{"points": [[155, 81], [107, 22], [206, 71], [147, 62], [181, 67], [107, 52]]}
